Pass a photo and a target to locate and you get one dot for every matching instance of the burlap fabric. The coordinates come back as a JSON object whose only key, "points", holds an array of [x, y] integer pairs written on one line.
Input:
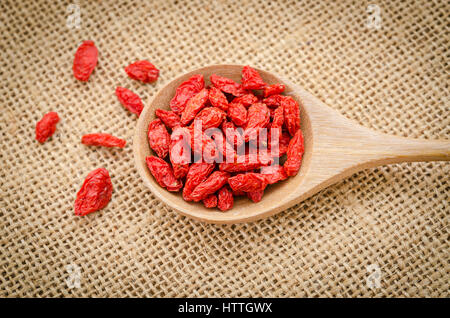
{"points": [[390, 75]]}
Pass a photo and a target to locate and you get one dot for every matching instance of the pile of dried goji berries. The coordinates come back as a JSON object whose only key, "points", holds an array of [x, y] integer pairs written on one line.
{"points": [[225, 140], [96, 190]]}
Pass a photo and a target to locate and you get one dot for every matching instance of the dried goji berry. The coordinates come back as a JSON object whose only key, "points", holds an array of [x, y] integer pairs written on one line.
{"points": [[214, 182], [237, 113], [225, 199], [227, 85], [95, 193], [210, 201], [163, 173], [158, 138], [238, 193], [251, 78], [85, 61], [143, 71], [197, 173], [202, 145], [129, 100], [185, 92], [273, 174], [273, 101], [258, 117], [274, 89], [102, 139], [246, 162], [281, 143], [291, 114], [211, 117], [180, 152], [246, 100], [217, 98], [233, 134], [248, 182], [193, 106], [169, 118], [226, 151], [294, 154], [278, 117], [46, 127], [255, 196]]}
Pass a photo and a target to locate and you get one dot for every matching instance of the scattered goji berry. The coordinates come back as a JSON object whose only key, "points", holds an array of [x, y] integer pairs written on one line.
{"points": [[251, 78], [129, 100], [158, 138], [210, 201], [217, 98], [248, 182], [163, 173], [143, 71], [274, 89], [169, 118], [214, 182], [197, 173], [46, 127], [227, 85], [237, 113], [294, 154], [102, 139], [193, 106], [255, 196], [85, 61], [185, 92], [225, 199], [95, 193]]}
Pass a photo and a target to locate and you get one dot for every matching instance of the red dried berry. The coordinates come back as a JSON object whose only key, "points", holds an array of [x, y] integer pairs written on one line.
{"points": [[129, 100], [213, 183], [291, 114], [281, 143], [102, 139], [251, 79], [248, 182], [278, 117], [255, 196], [226, 151], [232, 134], [211, 117], [180, 152], [210, 201], [46, 127], [273, 101], [246, 162], [202, 145], [158, 138], [258, 117], [246, 100], [185, 92], [169, 118], [193, 106], [163, 173], [85, 61], [143, 71], [217, 98], [274, 174], [225, 199], [197, 173], [237, 113], [227, 85], [274, 89], [294, 154], [95, 193]]}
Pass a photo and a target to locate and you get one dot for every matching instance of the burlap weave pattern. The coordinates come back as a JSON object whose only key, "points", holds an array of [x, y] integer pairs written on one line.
{"points": [[393, 79]]}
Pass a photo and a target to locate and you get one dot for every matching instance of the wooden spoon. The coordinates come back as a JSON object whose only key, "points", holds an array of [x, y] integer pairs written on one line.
{"points": [[335, 148]]}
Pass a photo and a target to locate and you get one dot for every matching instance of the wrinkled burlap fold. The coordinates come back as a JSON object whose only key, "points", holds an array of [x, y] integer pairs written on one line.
{"points": [[382, 232]]}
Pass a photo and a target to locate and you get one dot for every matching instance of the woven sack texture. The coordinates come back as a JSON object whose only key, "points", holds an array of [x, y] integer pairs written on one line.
{"points": [[380, 233]]}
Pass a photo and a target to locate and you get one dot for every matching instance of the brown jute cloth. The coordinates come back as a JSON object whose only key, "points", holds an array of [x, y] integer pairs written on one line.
{"points": [[382, 232]]}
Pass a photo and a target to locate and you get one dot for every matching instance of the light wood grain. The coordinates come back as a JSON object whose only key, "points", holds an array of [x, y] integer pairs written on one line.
{"points": [[335, 148]]}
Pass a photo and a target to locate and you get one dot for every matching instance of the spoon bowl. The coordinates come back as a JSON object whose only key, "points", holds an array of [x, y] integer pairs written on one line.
{"points": [[335, 148]]}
